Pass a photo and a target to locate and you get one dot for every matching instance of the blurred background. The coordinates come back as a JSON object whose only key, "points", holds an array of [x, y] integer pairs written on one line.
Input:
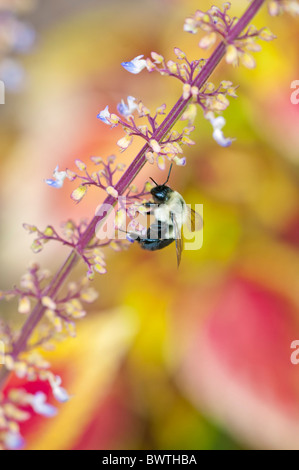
{"points": [[195, 358]]}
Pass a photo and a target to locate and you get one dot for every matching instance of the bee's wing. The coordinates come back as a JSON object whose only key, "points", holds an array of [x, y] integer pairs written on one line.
{"points": [[178, 239], [194, 219]]}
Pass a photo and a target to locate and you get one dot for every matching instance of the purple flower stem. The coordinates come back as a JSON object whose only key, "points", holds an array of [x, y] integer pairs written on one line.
{"points": [[124, 182]]}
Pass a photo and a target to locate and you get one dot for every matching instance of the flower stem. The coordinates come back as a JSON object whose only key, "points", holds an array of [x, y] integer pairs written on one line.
{"points": [[125, 181]]}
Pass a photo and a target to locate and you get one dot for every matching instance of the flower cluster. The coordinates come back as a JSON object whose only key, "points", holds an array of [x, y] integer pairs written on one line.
{"points": [[170, 147], [130, 205], [18, 407], [60, 313], [277, 7], [16, 37], [183, 70], [103, 178], [71, 235], [58, 322], [218, 24], [92, 254], [211, 98]]}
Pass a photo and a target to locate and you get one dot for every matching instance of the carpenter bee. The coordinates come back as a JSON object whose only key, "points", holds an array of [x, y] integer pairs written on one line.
{"points": [[170, 212]]}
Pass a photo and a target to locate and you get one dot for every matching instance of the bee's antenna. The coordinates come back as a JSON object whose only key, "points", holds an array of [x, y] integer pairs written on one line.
{"points": [[154, 181], [167, 177], [168, 174]]}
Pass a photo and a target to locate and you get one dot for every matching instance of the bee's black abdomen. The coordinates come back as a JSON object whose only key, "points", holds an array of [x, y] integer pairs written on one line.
{"points": [[158, 236]]}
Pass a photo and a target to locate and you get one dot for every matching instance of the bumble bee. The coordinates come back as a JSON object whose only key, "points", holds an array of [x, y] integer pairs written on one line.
{"points": [[171, 213]]}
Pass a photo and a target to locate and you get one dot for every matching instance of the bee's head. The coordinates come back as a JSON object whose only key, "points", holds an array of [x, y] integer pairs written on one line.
{"points": [[161, 192]]}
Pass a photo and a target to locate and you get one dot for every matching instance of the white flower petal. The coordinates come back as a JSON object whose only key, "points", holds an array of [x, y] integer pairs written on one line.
{"points": [[58, 178], [104, 116], [220, 139], [59, 393], [218, 124], [127, 109], [40, 406], [136, 65]]}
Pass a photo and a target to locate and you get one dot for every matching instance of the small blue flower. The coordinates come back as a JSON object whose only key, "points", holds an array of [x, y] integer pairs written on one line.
{"points": [[24, 37], [40, 406], [59, 177], [136, 65], [218, 123], [131, 237], [105, 115], [127, 109]]}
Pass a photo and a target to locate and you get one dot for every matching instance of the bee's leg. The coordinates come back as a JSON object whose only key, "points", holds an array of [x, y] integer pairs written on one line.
{"points": [[150, 206], [131, 236]]}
